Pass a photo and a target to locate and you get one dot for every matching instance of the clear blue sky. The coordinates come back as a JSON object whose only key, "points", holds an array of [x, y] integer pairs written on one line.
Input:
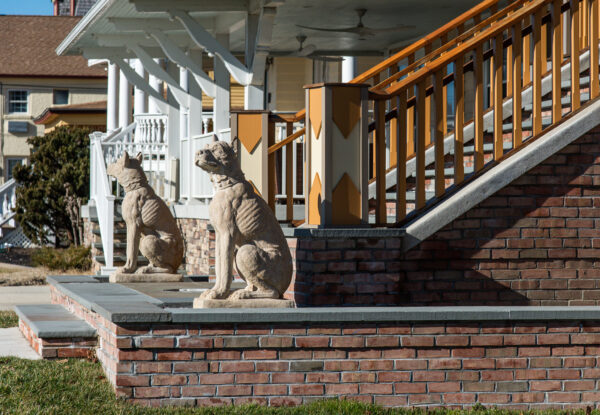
{"points": [[25, 6]]}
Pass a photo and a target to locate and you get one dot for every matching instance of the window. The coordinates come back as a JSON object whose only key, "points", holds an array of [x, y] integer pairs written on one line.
{"points": [[60, 97], [17, 101], [10, 165]]}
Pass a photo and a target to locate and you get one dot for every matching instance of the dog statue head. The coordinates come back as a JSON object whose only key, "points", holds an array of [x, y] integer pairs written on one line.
{"points": [[128, 171], [219, 158]]}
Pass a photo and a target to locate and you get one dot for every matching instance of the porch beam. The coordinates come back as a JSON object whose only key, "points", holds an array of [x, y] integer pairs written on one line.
{"points": [[206, 41], [192, 5], [130, 24], [262, 45], [175, 54], [155, 69], [140, 82], [121, 52]]}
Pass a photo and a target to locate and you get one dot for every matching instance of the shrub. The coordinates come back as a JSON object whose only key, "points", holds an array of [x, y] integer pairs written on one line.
{"points": [[58, 158], [74, 257]]}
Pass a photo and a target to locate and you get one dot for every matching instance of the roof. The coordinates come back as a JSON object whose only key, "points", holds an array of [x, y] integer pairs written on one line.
{"points": [[50, 113], [27, 45]]}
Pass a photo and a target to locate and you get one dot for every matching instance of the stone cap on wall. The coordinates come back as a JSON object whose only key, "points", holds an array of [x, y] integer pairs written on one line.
{"points": [[120, 304]]}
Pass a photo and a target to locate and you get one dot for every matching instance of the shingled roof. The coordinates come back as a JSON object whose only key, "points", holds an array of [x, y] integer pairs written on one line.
{"points": [[28, 43]]}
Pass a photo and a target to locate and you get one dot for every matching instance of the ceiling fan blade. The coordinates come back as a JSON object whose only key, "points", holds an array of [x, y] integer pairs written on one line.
{"points": [[324, 29]]}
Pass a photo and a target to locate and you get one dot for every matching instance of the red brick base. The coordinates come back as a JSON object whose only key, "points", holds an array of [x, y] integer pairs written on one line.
{"points": [[510, 364], [60, 347]]}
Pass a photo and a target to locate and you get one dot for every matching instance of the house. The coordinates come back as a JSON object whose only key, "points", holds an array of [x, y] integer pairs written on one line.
{"points": [[461, 169], [90, 115], [33, 78], [72, 7]]}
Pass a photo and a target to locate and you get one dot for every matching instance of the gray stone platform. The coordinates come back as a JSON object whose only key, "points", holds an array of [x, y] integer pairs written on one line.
{"points": [[124, 304], [53, 321]]}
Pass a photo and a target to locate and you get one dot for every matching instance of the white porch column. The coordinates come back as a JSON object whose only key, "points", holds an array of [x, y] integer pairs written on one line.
{"points": [[254, 97], [184, 112], [154, 84], [195, 113], [124, 101], [112, 103], [348, 68], [222, 101], [140, 98]]}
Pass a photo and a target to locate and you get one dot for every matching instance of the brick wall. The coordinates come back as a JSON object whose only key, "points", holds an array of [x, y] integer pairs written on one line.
{"points": [[349, 271], [535, 242], [510, 364]]}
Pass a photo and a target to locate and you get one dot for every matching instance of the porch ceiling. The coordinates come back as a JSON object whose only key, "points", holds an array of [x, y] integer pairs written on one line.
{"points": [[110, 22]]}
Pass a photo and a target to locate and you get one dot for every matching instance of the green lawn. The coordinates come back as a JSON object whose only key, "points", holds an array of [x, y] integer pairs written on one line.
{"points": [[8, 319], [80, 387]]}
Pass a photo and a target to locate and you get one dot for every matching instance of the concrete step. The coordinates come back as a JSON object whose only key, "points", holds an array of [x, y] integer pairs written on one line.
{"points": [[53, 321], [565, 102], [117, 231], [116, 245]]}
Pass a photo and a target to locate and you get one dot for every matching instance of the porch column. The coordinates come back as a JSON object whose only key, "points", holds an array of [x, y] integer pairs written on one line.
{"points": [[348, 68], [255, 135], [195, 112], [336, 155], [112, 103], [154, 84], [124, 101], [184, 112], [140, 99], [221, 103]]}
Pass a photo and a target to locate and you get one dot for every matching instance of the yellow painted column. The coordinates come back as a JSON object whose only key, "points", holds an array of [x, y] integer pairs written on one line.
{"points": [[337, 154]]}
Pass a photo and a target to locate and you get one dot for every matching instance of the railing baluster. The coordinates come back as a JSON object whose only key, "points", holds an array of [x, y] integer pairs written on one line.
{"points": [[379, 150], [478, 62], [410, 127], [575, 93], [537, 73], [420, 156], [459, 120], [556, 60], [526, 59], [517, 85], [594, 78], [289, 174], [583, 25], [498, 116], [509, 73], [544, 40], [440, 184], [401, 123]]}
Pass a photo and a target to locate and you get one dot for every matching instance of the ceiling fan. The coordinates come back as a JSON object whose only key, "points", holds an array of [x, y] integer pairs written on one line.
{"points": [[308, 51], [360, 29]]}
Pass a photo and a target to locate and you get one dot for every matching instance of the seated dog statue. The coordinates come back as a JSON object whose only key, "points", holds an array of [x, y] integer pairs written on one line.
{"points": [[247, 234], [151, 228]]}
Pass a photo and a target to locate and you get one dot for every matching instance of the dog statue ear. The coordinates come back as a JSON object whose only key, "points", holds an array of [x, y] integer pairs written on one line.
{"points": [[235, 144], [140, 157], [126, 157], [215, 138]]}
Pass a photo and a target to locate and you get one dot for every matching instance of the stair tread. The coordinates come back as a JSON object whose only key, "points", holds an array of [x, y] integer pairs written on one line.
{"points": [[53, 321]]}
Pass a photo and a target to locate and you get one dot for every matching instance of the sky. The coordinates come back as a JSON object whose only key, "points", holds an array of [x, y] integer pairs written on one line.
{"points": [[25, 6]]}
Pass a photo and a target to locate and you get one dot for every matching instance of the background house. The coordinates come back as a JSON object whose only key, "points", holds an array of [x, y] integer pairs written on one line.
{"points": [[33, 78], [72, 7]]}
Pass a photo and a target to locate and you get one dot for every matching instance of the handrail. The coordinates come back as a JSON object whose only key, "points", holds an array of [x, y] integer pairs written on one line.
{"points": [[447, 46], [421, 43], [450, 56], [122, 133], [425, 41], [287, 140], [104, 202]]}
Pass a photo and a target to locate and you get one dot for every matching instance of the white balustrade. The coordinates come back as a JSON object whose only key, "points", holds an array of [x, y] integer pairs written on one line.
{"points": [[194, 182], [8, 196]]}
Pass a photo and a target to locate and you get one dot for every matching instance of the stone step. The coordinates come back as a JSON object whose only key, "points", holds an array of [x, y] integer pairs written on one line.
{"points": [[116, 245], [117, 231], [54, 332], [53, 321]]}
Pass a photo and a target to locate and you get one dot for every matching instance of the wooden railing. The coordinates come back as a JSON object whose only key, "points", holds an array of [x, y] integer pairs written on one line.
{"points": [[531, 37], [412, 57]]}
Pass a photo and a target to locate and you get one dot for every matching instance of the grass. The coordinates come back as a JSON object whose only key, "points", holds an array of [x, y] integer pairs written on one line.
{"points": [[8, 319], [80, 387]]}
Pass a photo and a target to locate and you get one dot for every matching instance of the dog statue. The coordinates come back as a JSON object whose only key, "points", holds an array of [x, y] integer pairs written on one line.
{"points": [[248, 235], [151, 228]]}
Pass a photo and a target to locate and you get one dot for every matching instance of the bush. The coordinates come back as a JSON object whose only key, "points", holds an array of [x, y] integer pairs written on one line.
{"points": [[58, 158], [74, 257]]}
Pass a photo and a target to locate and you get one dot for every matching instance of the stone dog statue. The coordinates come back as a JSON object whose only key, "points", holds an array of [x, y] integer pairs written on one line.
{"points": [[247, 234], [151, 228]]}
